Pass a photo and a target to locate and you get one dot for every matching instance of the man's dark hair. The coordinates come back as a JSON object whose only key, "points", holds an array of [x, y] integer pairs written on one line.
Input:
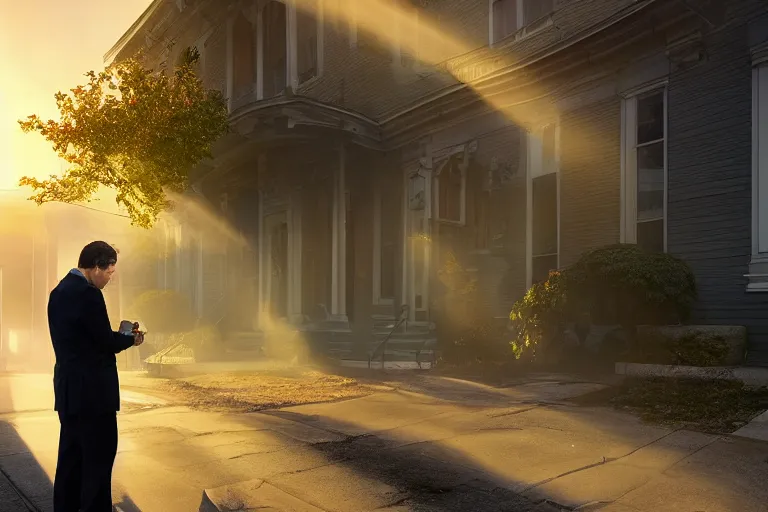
{"points": [[97, 254]]}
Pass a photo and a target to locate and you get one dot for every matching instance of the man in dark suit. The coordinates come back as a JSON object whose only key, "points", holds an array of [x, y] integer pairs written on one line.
{"points": [[85, 382]]}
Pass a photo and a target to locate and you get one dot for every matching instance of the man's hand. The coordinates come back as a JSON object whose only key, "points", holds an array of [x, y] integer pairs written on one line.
{"points": [[138, 338]]}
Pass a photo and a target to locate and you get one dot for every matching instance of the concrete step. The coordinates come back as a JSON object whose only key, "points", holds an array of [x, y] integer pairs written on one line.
{"points": [[409, 335], [405, 344], [388, 365]]}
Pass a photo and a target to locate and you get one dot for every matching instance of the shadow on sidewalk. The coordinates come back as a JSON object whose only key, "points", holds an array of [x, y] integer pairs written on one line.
{"points": [[17, 461], [126, 504], [21, 467], [482, 465]]}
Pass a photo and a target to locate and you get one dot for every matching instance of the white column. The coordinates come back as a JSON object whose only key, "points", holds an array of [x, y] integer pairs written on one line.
{"points": [[200, 289], [262, 244], [295, 305], [339, 252]]}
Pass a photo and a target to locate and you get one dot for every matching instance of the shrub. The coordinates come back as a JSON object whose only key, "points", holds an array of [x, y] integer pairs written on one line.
{"points": [[539, 316], [164, 311], [622, 284], [618, 284]]}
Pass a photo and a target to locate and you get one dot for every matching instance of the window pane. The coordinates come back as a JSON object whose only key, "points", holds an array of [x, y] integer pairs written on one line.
{"points": [[504, 18], [243, 69], [542, 266], [450, 184], [650, 182], [548, 149], [306, 34], [650, 117], [274, 49], [650, 235], [545, 215], [535, 9]]}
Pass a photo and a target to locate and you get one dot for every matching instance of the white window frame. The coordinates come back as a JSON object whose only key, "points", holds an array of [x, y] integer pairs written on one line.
{"points": [[521, 30], [532, 145], [628, 227], [439, 165], [293, 42], [758, 271], [256, 17]]}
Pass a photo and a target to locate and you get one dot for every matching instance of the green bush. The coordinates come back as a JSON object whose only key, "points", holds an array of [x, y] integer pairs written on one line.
{"points": [[691, 349], [622, 284], [614, 285], [539, 316], [163, 311]]}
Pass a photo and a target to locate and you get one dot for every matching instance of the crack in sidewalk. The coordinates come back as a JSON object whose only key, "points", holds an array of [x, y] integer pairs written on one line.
{"points": [[605, 460]]}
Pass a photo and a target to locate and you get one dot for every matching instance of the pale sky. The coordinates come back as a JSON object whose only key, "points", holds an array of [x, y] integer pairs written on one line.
{"points": [[47, 46]]}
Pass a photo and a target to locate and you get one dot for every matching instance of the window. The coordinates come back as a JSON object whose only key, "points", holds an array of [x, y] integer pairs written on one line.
{"points": [[451, 181], [244, 65], [544, 204], [758, 270], [534, 10], [387, 218], [509, 16], [275, 51], [306, 39], [504, 19], [645, 170]]}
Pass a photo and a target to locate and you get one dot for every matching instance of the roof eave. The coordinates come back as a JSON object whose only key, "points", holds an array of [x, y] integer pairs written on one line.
{"points": [[113, 52]]}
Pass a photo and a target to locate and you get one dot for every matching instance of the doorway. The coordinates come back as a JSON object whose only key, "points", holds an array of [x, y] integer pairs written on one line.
{"points": [[278, 275]]}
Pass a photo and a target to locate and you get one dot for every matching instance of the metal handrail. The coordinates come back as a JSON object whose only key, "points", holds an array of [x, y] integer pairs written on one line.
{"points": [[403, 319]]}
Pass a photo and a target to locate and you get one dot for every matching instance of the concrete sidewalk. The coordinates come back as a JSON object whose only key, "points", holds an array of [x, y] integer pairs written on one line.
{"points": [[451, 446]]}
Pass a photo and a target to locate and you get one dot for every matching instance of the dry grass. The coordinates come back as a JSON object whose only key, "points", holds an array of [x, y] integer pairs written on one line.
{"points": [[718, 407], [249, 391]]}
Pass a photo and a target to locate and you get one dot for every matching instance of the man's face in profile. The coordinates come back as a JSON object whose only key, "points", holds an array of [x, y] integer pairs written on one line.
{"points": [[101, 277]]}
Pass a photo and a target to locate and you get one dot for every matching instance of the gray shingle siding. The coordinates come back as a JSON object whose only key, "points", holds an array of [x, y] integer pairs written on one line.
{"points": [[710, 184]]}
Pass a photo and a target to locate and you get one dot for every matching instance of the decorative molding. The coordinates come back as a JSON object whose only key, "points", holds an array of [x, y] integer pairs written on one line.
{"points": [[687, 51], [760, 54]]}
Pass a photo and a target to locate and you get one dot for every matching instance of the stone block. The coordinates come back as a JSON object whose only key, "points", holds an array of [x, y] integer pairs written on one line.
{"points": [[734, 335]]}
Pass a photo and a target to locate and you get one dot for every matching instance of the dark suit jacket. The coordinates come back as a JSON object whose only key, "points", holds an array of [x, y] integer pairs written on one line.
{"points": [[85, 376]]}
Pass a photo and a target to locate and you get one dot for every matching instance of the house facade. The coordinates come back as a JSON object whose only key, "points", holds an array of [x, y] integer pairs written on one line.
{"points": [[374, 152]]}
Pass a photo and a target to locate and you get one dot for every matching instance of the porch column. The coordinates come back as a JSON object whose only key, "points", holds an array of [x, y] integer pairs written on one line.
{"points": [[262, 244], [339, 250], [295, 313]]}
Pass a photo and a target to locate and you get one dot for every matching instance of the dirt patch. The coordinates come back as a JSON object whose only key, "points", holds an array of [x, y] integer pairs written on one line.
{"points": [[718, 407], [250, 391]]}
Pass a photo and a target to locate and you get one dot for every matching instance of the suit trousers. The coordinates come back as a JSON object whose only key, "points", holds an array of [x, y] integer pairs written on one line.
{"points": [[87, 449]]}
